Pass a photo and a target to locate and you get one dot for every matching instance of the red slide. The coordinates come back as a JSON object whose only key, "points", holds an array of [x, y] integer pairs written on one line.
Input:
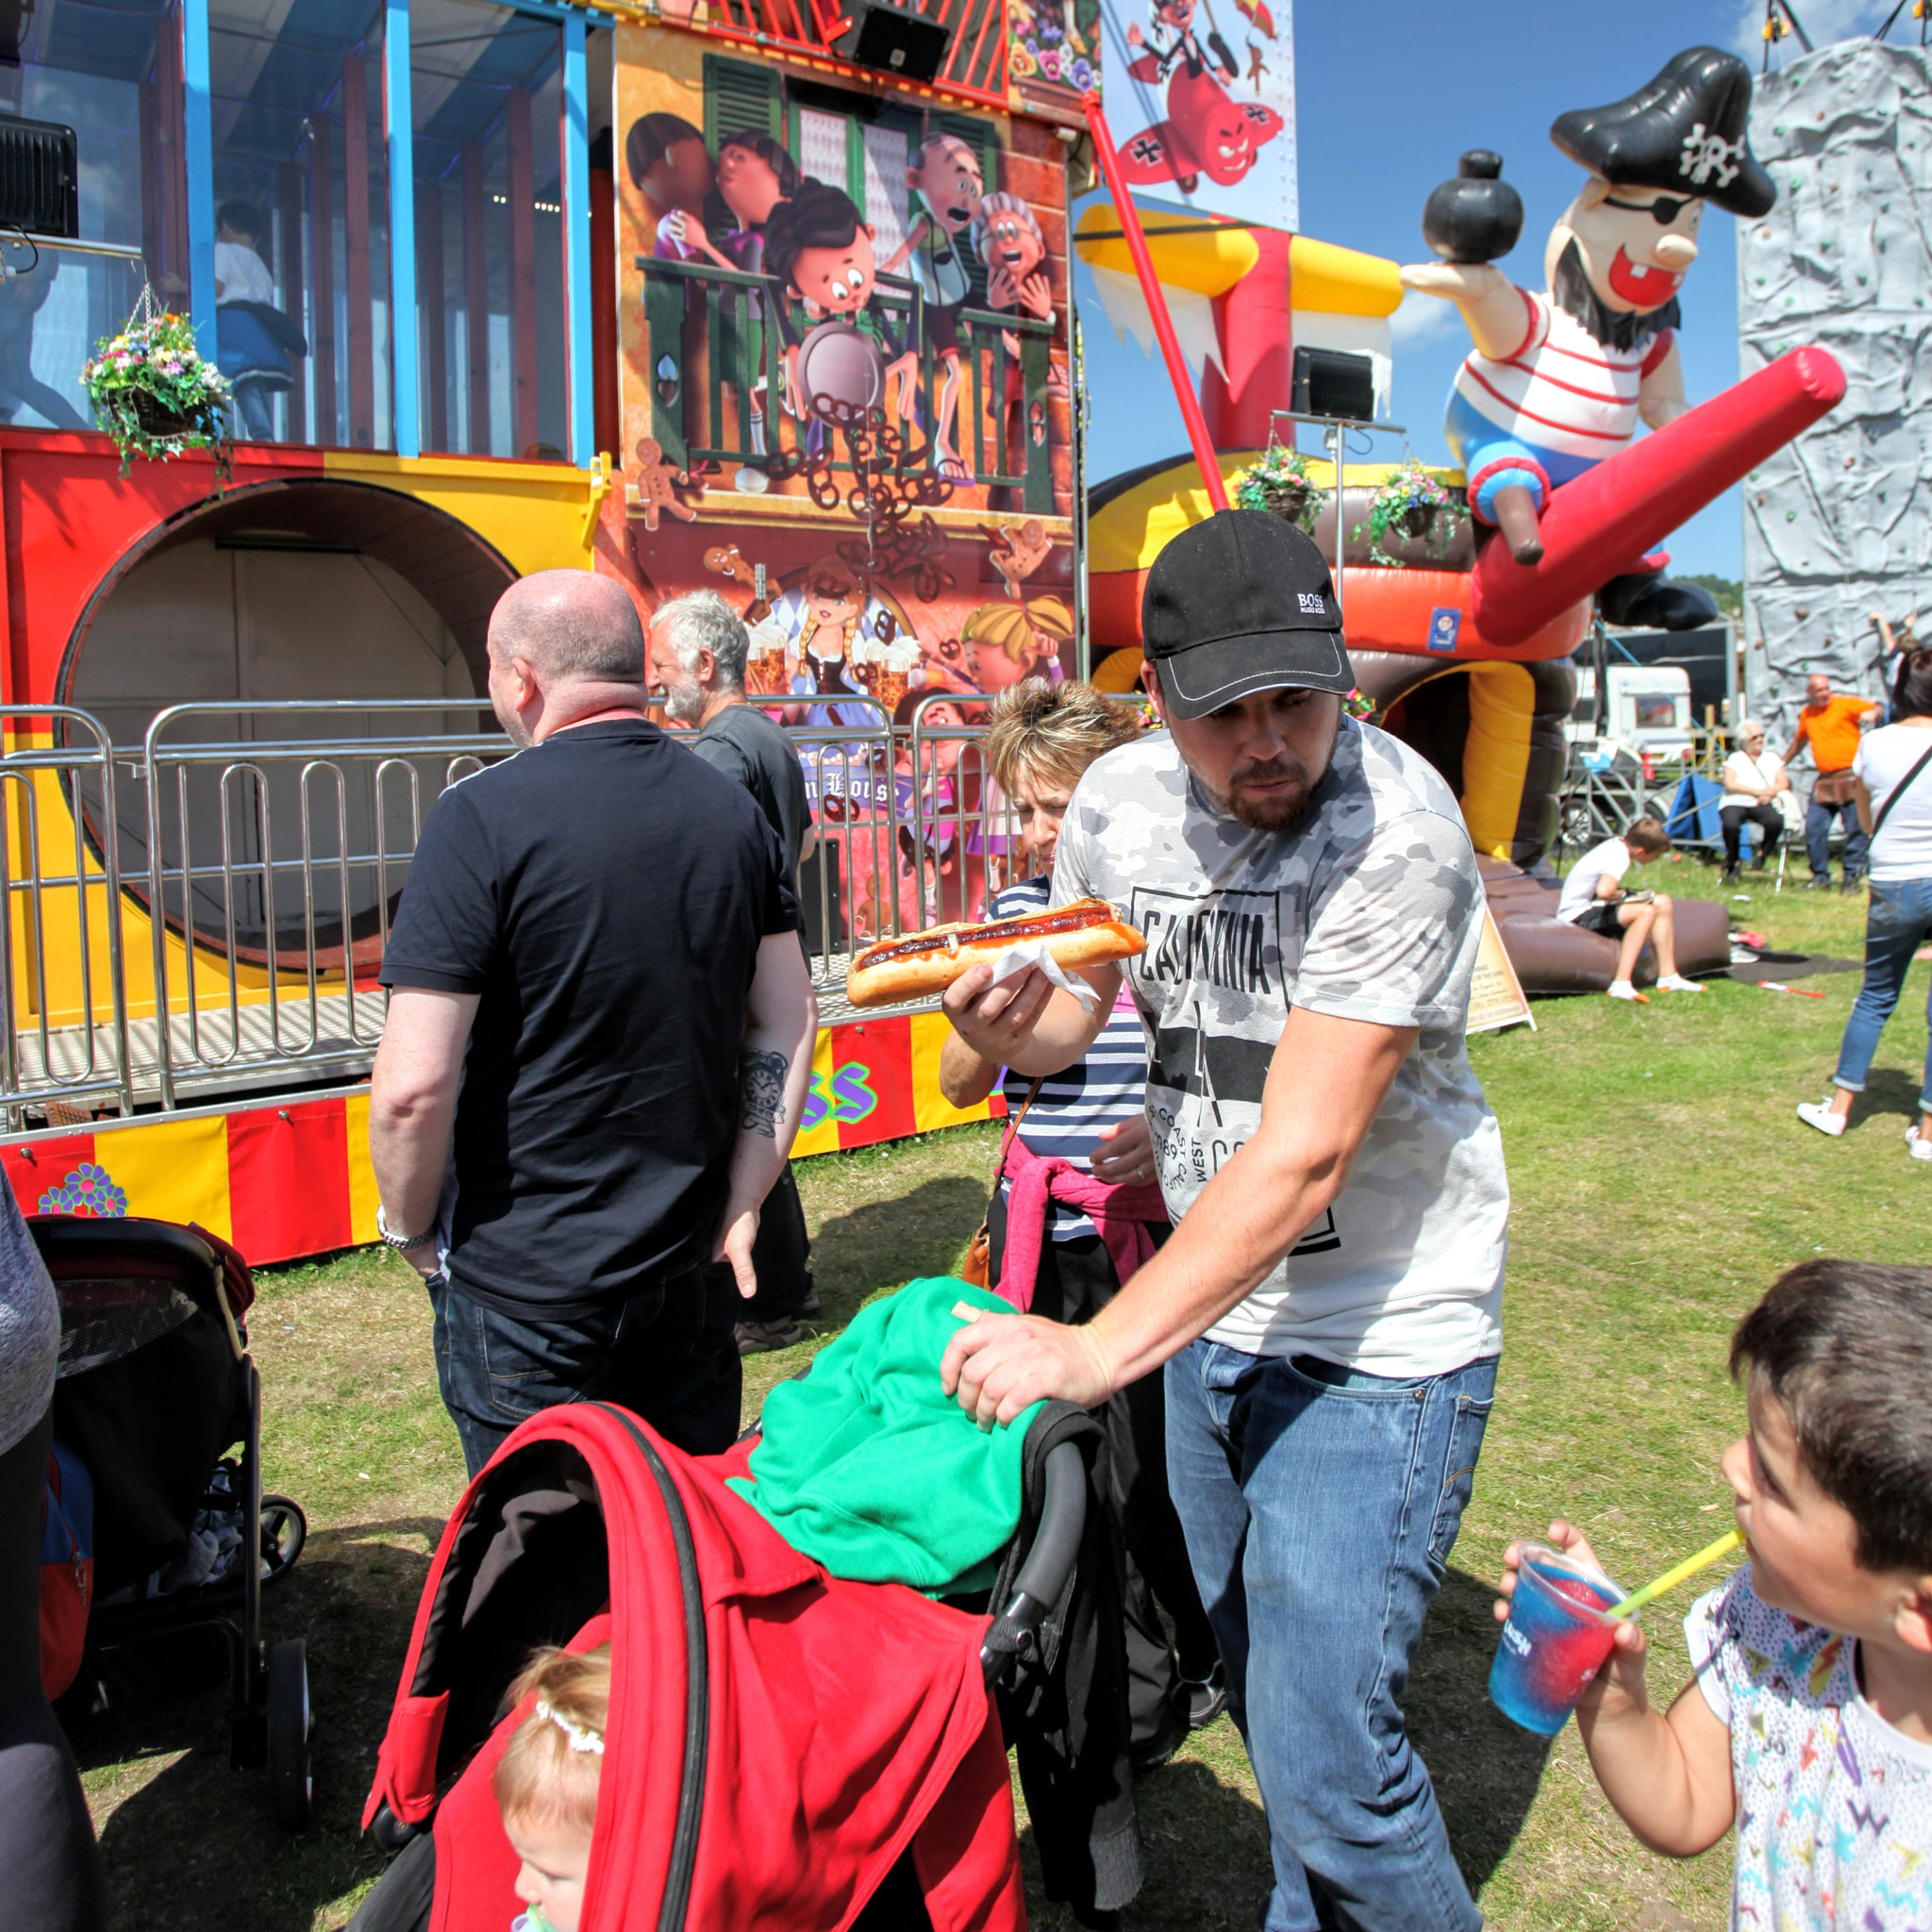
{"points": [[1599, 526]]}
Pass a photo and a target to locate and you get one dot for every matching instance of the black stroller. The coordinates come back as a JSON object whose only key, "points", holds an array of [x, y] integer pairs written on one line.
{"points": [[156, 1385]]}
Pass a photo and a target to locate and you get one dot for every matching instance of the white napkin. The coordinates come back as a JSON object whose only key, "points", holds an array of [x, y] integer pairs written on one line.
{"points": [[1024, 954]]}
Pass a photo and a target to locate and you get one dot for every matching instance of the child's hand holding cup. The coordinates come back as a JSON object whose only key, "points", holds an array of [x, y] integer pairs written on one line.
{"points": [[1557, 1634]]}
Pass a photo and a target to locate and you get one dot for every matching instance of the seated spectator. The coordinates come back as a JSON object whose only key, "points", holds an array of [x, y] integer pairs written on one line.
{"points": [[1040, 737], [1594, 898], [1753, 779]]}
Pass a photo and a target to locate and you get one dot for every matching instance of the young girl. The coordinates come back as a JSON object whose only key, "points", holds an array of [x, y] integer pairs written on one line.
{"points": [[547, 1783], [1807, 1729]]}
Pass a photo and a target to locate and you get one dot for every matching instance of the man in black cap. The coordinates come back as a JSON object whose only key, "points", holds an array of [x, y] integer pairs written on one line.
{"points": [[1560, 380], [1328, 1307]]}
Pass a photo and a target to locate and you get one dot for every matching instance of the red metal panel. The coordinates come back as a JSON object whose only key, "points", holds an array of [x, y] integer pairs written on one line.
{"points": [[43, 1170], [872, 1082], [289, 1180]]}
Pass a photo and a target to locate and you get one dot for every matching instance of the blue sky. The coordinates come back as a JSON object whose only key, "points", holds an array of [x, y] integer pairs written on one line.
{"points": [[1387, 99]]}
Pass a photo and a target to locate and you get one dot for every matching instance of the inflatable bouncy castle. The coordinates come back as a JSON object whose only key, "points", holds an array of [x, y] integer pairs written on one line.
{"points": [[1465, 591]]}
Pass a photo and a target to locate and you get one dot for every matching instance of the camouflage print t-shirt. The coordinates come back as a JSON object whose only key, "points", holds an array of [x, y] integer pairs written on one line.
{"points": [[1370, 909]]}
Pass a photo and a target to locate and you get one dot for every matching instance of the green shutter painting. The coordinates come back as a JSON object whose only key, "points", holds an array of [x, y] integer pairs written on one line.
{"points": [[739, 99]]}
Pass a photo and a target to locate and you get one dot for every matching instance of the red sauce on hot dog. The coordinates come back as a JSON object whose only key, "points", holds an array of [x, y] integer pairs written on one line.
{"points": [[1028, 927]]}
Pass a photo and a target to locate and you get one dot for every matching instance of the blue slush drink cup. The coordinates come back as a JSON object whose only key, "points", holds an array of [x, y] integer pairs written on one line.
{"points": [[1558, 1635]]}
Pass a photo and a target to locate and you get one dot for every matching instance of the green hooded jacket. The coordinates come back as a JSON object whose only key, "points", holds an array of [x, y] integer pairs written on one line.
{"points": [[869, 1468]]}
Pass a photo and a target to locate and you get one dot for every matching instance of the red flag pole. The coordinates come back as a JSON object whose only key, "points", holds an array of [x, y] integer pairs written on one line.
{"points": [[1157, 305]]}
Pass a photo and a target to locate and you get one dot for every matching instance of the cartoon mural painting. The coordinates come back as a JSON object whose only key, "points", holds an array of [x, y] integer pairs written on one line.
{"points": [[1559, 379]]}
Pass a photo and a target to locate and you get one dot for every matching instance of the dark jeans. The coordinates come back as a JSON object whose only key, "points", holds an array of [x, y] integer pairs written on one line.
{"points": [[1770, 826], [669, 1354], [781, 1255], [1818, 818], [53, 1871], [1077, 1280]]}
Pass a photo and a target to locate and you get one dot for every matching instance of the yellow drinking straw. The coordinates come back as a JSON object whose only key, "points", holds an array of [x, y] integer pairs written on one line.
{"points": [[1670, 1579]]}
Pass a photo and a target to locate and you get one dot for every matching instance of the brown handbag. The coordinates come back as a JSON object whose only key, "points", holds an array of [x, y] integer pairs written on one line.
{"points": [[976, 1271]]}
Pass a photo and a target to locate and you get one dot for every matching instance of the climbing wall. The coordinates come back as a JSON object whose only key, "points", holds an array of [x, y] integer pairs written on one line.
{"points": [[1840, 523]]}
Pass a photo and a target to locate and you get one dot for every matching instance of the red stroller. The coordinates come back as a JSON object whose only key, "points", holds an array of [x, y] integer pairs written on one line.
{"points": [[785, 1750]]}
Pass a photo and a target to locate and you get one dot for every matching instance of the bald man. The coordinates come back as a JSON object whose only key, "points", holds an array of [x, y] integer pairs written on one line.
{"points": [[598, 1045]]}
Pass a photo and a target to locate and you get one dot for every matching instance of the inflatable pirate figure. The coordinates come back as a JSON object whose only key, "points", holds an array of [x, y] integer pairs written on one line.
{"points": [[1558, 380]]}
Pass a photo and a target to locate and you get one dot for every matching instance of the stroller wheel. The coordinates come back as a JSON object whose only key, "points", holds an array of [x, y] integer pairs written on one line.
{"points": [[284, 1530], [290, 1771]]}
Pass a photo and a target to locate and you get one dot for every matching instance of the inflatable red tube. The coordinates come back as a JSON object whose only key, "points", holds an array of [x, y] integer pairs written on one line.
{"points": [[1608, 516]]}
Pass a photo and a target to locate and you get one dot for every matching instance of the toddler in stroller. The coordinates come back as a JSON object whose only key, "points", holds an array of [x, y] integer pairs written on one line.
{"points": [[547, 1782], [782, 1748]]}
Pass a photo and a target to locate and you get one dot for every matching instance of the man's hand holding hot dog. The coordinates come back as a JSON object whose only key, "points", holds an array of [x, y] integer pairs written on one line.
{"points": [[1028, 1023]]}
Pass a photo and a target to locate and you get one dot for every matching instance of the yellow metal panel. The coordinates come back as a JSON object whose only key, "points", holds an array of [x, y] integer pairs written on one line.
{"points": [[1204, 258], [1341, 281], [533, 513], [930, 1107], [363, 1198], [172, 1169], [823, 1138]]}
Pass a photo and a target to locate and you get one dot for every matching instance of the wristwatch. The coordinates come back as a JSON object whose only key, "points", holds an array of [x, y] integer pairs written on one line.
{"points": [[401, 1242]]}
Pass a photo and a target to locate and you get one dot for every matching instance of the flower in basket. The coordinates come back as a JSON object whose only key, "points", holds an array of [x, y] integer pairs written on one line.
{"points": [[156, 394], [1280, 484], [1416, 502]]}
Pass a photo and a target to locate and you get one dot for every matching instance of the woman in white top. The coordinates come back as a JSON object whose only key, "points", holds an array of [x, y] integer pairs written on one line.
{"points": [[1753, 779], [1894, 773]]}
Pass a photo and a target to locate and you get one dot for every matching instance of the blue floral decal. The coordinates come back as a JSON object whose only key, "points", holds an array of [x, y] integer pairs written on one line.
{"points": [[89, 1192]]}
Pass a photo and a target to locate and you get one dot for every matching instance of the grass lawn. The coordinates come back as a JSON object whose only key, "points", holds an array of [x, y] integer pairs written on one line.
{"points": [[1659, 1179]]}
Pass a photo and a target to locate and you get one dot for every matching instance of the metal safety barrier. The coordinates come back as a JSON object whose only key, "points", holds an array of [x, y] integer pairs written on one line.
{"points": [[203, 914]]}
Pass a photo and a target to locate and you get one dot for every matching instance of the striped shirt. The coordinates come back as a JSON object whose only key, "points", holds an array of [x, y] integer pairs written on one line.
{"points": [[1108, 1087], [1562, 389]]}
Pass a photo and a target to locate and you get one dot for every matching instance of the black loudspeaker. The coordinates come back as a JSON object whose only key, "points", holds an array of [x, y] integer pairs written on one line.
{"points": [[40, 177], [1331, 382], [895, 40]]}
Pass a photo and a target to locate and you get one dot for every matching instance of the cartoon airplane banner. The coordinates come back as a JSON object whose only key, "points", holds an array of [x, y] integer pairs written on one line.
{"points": [[1200, 96]]}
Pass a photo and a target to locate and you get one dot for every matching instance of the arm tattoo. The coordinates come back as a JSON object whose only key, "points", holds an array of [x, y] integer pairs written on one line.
{"points": [[761, 1105]]}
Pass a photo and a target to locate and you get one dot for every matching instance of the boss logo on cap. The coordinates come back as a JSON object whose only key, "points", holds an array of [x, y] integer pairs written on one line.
{"points": [[1311, 600]]}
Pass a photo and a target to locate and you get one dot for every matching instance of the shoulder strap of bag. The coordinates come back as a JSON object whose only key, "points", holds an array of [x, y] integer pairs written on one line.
{"points": [[1013, 1127], [1899, 791]]}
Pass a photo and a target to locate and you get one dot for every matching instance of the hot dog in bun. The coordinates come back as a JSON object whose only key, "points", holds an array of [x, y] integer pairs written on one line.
{"points": [[1083, 934]]}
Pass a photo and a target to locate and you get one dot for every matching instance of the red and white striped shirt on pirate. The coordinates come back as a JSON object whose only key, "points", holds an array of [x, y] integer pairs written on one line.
{"points": [[1562, 389]]}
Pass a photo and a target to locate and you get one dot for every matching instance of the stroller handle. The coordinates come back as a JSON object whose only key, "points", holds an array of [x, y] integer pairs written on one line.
{"points": [[1049, 1563]]}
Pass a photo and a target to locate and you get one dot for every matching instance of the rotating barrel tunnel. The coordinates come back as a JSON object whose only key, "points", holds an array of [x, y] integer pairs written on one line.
{"points": [[316, 575]]}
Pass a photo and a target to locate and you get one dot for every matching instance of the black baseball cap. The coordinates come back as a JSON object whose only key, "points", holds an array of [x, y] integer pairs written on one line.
{"points": [[1239, 604]]}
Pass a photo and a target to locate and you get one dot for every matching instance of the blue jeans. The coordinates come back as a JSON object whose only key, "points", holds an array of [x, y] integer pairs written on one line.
{"points": [[1818, 818], [1899, 922], [1320, 1504], [669, 1354]]}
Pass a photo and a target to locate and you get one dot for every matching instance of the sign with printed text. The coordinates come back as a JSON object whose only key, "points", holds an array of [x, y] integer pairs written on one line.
{"points": [[1496, 998], [1200, 100]]}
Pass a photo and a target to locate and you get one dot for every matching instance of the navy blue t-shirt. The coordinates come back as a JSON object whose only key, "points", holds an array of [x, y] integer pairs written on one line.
{"points": [[604, 895]]}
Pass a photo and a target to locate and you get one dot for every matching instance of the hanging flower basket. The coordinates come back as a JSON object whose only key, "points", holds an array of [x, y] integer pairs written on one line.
{"points": [[1417, 504], [1280, 483], [156, 394]]}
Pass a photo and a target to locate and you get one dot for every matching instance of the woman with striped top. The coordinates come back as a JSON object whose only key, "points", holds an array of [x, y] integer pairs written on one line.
{"points": [[1091, 1118]]}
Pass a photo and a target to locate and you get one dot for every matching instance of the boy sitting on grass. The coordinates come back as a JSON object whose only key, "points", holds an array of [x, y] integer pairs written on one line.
{"points": [[1809, 1725]]}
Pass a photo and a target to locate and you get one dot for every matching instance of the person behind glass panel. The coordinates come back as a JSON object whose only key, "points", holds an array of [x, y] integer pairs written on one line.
{"points": [[254, 339]]}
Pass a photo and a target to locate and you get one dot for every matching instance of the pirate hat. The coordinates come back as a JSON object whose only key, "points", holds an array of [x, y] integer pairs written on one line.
{"points": [[1684, 130]]}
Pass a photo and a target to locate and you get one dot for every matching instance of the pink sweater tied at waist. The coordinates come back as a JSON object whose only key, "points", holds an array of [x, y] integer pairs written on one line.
{"points": [[1120, 1212]]}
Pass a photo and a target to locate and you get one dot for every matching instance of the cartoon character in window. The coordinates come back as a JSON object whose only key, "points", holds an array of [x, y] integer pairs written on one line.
{"points": [[1009, 240], [1205, 131], [817, 248], [753, 175], [944, 172], [672, 169]]}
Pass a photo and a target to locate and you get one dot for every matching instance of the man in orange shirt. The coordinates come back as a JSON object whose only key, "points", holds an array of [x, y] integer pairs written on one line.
{"points": [[1832, 726]]}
